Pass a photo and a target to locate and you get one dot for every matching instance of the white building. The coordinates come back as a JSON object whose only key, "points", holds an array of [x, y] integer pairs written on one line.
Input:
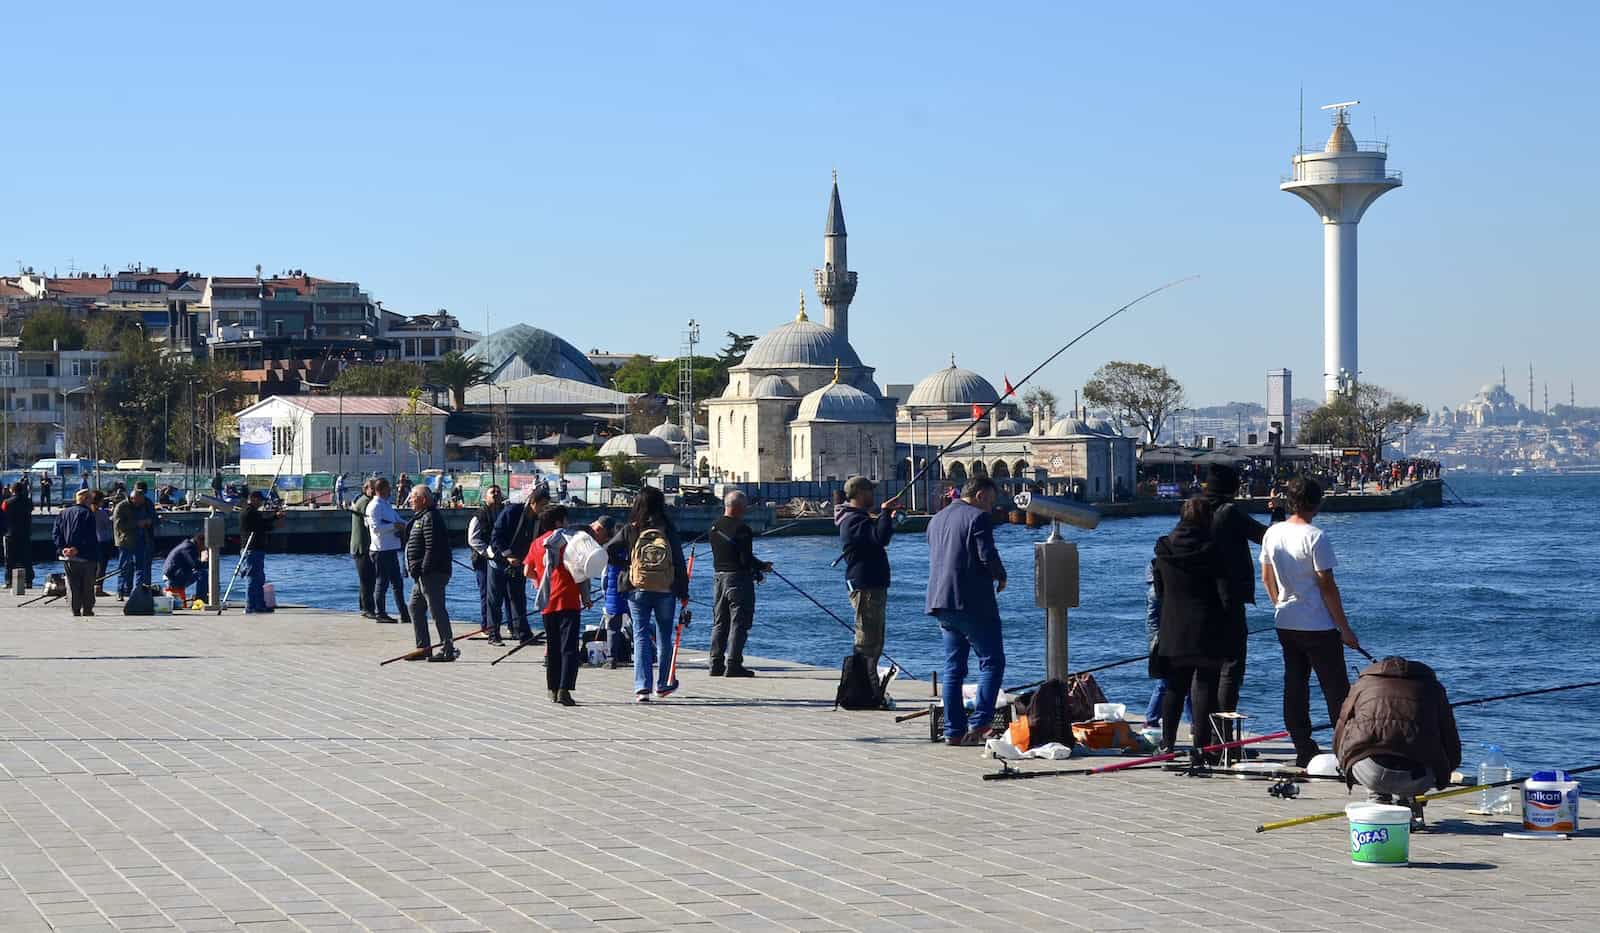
{"points": [[351, 434], [1280, 402]]}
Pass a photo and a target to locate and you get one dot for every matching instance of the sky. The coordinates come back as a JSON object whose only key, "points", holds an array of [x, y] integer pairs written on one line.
{"points": [[608, 171]]}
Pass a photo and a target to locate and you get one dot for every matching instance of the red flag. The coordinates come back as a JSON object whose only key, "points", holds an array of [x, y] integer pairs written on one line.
{"points": [[1009, 389], [977, 412]]}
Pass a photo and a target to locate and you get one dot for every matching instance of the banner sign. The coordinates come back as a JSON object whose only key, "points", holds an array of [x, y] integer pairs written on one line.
{"points": [[255, 438]]}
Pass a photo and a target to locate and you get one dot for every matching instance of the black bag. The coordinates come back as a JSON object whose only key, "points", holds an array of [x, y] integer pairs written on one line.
{"points": [[140, 603], [1049, 715], [858, 684]]}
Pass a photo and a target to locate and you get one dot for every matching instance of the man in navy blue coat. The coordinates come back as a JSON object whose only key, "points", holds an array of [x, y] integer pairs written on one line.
{"points": [[964, 574], [78, 543]]}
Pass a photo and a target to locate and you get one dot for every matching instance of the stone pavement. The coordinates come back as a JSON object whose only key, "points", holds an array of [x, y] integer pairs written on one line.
{"points": [[196, 773]]}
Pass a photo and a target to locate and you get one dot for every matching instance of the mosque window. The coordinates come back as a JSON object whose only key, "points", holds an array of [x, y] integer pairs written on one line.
{"points": [[744, 432]]}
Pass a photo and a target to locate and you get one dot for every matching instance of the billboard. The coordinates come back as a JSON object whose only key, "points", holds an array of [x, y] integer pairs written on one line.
{"points": [[255, 438]]}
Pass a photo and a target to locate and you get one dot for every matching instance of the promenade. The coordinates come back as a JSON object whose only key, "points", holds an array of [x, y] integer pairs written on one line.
{"points": [[262, 773]]}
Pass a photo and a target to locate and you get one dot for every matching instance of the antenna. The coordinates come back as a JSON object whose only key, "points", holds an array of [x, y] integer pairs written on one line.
{"points": [[1302, 148], [1341, 115]]}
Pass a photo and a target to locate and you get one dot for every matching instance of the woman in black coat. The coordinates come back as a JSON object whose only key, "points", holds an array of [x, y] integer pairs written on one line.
{"points": [[1194, 637], [19, 531]]}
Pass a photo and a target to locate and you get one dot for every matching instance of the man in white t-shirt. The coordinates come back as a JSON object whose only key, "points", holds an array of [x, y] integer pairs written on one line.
{"points": [[1297, 568]]}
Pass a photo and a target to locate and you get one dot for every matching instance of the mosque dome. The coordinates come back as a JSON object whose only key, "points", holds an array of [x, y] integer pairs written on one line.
{"points": [[1009, 427], [801, 342], [952, 386], [1099, 426], [839, 402], [642, 446], [773, 387], [1068, 427], [524, 350], [669, 432]]}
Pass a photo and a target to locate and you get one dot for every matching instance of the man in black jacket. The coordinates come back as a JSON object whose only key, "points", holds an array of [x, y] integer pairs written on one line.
{"points": [[865, 540], [428, 565], [734, 592], [78, 543], [1232, 533]]}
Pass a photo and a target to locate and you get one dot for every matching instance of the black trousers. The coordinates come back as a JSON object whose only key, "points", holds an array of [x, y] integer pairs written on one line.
{"points": [[366, 579], [1202, 698], [1303, 653], [1232, 679], [561, 631], [80, 584]]}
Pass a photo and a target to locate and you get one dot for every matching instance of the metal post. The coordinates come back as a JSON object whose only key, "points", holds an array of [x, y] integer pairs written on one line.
{"points": [[1055, 590], [216, 533]]}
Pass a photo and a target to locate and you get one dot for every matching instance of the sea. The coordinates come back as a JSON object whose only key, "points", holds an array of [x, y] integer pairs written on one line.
{"points": [[1498, 592]]}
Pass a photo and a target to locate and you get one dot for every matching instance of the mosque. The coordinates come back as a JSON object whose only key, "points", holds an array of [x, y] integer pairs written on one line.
{"points": [[802, 406]]}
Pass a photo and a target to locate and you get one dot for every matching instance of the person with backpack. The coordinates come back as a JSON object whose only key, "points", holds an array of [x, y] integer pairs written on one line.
{"points": [[384, 528], [964, 576], [78, 544], [429, 566], [659, 582], [865, 541], [1194, 639], [733, 597]]}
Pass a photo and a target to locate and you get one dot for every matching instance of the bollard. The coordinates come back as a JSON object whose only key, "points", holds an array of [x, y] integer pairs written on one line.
{"points": [[19, 582], [216, 535]]}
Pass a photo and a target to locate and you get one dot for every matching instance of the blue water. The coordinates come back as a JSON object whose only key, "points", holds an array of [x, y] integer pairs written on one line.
{"points": [[1498, 597]]}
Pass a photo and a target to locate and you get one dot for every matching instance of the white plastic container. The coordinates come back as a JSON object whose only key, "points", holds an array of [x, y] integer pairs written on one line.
{"points": [[1380, 834], [584, 557], [1494, 769], [1550, 803]]}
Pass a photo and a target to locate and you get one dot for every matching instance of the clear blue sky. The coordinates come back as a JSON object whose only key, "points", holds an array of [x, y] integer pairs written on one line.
{"points": [[1007, 177]]}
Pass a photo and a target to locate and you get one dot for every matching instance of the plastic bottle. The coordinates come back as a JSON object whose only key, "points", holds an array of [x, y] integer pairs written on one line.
{"points": [[1491, 770]]}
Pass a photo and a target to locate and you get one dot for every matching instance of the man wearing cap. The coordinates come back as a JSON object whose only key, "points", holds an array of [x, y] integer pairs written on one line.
{"points": [[865, 540], [1232, 533], [513, 532], [734, 592], [79, 546], [133, 524]]}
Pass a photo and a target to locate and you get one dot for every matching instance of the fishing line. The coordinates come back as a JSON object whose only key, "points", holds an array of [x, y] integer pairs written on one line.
{"points": [[1024, 380], [897, 665]]}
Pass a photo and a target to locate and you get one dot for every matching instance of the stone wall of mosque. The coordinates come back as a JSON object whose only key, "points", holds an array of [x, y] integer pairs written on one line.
{"points": [[824, 450]]}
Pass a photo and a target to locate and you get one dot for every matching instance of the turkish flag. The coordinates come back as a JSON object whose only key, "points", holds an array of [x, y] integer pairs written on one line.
{"points": [[977, 412], [1009, 390]]}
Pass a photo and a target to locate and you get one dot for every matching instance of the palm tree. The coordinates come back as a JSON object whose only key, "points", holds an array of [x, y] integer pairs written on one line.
{"points": [[459, 373]]}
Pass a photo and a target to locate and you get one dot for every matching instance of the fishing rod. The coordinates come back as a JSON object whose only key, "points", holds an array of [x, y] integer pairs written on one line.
{"points": [[1024, 380], [245, 551], [537, 638], [1421, 798], [425, 649], [1525, 693], [896, 664], [56, 596]]}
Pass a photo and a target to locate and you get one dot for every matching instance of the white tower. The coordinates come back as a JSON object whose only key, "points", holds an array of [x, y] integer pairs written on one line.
{"points": [[1340, 182]]}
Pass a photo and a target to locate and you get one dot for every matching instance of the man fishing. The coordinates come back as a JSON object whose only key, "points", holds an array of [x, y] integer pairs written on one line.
{"points": [[964, 574], [255, 523], [78, 544], [133, 524], [514, 531], [184, 568], [734, 591], [479, 530], [1395, 734], [865, 540]]}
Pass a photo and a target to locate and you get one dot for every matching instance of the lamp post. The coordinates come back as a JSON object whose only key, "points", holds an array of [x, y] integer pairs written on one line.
{"points": [[505, 404]]}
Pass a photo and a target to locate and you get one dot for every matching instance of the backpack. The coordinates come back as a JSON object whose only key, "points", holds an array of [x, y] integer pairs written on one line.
{"points": [[858, 684], [1049, 715], [139, 603], [651, 567]]}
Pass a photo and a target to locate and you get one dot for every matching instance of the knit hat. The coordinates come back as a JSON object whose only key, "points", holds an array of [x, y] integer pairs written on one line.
{"points": [[1222, 480]]}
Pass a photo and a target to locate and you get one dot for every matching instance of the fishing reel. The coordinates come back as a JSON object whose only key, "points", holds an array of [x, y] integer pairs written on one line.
{"points": [[1284, 790]]}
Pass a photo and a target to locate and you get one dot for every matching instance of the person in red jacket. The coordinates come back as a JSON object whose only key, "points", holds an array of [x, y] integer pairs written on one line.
{"points": [[562, 607]]}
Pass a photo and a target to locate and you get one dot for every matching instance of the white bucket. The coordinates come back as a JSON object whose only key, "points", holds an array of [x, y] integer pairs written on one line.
{"points": [[1379, 834], [1550, 802], [584, 557]]}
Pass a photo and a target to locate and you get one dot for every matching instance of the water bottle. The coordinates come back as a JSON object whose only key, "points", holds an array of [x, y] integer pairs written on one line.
{"points": [[1493, 769]]}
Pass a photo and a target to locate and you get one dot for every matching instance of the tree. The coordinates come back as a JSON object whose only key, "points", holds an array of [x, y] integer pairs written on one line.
{"points": [[418, 428], [48, 325], [1370, 419], [385, 380], [733, 354], [1136, 393], [624, 471], [517, 453], [566, 458], [1040, 396], [458, 373]]}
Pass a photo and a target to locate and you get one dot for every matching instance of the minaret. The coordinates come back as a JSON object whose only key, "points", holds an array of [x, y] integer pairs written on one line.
{"points": [[836, 284], [1340, 183]]}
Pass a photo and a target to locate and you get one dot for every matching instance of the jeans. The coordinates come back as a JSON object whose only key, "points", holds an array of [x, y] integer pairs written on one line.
{"points": [[108, 551], [1304, 652], [366, 578], [386, 571], [561, 649], [480, 573], [652, 617], [133, 566], [963, 633], [1383, 784], [255, 569], [508, 600], [80, 585], [871, 607], [733, 611], [427, 595], [1202, 693]]}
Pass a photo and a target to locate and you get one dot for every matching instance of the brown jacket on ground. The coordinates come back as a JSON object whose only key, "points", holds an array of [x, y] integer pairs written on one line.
{"points": [[1398, 708]]}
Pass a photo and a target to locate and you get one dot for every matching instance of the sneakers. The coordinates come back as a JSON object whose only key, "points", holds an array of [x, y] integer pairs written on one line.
{"points": [[444, 657], [739, 670], [497, 641], [972, 739], [668, 690], [369, 615], [643, 696], [386, 619], [717, 667]]}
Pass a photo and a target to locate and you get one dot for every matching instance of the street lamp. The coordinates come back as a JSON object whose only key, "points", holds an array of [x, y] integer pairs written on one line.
{"points": [[94, 432]]}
